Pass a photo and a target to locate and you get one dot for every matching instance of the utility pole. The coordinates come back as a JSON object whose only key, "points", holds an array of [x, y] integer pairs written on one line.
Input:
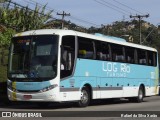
{"points": [[140, 18], [63, 15]]}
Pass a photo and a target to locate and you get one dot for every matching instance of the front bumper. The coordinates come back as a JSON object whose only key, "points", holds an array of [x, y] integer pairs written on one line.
{"points": [[37, 97]]}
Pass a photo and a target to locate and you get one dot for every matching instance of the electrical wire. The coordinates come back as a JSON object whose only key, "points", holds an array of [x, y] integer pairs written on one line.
{"points": [[71, 16], [115, 6], [83, 21], [47, 7], [102, 3], [127, 7]]}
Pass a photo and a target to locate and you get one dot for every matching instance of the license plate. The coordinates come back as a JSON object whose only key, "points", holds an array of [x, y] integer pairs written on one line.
{"points": [[27, 96]]}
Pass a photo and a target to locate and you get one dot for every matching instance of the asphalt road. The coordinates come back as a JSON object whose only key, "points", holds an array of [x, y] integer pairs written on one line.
{"points": [[99, 110]]}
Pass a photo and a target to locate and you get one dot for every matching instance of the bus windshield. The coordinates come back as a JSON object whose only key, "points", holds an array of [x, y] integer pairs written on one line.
{"points": [[33, 57]]}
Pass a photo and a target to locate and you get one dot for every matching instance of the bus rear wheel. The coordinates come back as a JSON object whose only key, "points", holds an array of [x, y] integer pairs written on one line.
{"points": [[140, 96], [85, 97]]}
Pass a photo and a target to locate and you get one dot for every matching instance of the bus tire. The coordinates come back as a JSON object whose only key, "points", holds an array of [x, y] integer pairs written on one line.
{"points": [[140, 96], [85, 97]]}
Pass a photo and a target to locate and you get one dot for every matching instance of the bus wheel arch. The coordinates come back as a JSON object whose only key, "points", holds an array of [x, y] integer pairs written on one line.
{"points": [[86, 96]]}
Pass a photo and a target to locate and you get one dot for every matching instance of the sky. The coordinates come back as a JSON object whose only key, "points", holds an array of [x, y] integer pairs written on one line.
{"points": [[89, 13]]}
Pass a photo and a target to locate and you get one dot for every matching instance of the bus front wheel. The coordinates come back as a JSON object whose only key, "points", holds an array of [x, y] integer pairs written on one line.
{"points": [[85, 97]]}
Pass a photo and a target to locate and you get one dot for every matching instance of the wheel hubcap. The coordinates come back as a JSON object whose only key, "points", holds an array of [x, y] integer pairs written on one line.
{"points": [[84, 96], [140, 95]]}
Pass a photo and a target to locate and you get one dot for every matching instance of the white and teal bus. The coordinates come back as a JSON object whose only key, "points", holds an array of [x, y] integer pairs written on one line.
{"points": [[64, 66]]}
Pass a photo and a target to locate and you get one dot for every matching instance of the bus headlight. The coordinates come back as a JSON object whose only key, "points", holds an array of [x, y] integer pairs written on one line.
{"points": [[48, 88]]}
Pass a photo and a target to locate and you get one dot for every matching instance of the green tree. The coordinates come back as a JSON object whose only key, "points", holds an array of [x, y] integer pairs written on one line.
{"points": [[5, 37], [23, 19]]}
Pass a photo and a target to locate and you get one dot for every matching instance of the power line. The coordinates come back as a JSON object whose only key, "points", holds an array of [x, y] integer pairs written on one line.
{"points": [[11, 3], [71, 16], [29, 2], [111, 7], [41, 5], [49, 8], [82, 20], [127, 6], [116, 6], [21, 6]]}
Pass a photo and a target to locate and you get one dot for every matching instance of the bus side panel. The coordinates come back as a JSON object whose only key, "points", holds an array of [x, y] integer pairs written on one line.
{"points": [[140, 74], [110, 79]]}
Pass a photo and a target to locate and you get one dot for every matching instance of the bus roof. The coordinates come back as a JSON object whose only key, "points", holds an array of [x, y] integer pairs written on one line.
{"points": [[99, 37]]}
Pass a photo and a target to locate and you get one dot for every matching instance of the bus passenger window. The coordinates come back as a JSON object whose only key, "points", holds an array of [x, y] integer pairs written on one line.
{"points": [[129, 51], [117, 53], [142, 57], [86, 48], [102, 51], [150, 59]]}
